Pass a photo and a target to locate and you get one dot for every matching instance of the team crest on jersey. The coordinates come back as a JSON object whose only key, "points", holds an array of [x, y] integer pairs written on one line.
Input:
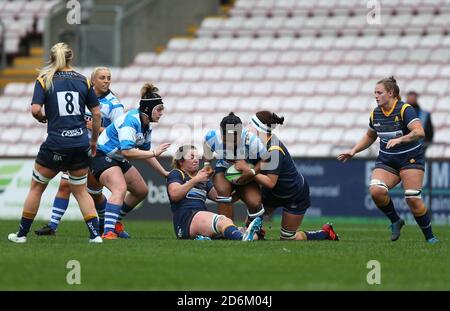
{"points": [[140, 139], [396, 119], [412, 161]]}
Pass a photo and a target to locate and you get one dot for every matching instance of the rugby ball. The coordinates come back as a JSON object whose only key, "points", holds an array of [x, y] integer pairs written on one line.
{"points": [[232, 174]]}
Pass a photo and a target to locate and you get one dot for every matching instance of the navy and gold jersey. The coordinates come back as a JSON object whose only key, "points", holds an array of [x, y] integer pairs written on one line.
{"points": [[290, 181], [195, 198], [65, 105], [393, 124]]}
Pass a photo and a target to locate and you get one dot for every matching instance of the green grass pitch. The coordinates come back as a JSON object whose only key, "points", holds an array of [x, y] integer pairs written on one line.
{"points": [[154, 260]]}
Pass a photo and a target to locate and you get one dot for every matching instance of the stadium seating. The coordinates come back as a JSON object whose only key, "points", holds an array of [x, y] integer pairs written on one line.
{"points": [[20, 17], [315, 62]]}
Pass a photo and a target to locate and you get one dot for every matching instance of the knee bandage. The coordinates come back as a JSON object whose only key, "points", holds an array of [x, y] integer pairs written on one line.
{"points": [[378, 183], [40, 178], [94, 192], [214, 223], [65, 176], [413, 194], [77, 180], [287, 234]]}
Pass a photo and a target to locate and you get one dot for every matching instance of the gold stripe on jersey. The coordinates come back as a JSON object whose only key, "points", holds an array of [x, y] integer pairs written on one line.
{"points": [[277, 148], [387, 114], [41, 81], [181, 172], [403, 109]]}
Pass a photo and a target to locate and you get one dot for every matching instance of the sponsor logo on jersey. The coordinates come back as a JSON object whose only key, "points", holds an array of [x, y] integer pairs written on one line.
{"points": [[72, 133]]}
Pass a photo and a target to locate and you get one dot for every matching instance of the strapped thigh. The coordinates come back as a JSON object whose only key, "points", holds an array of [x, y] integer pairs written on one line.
{"points": [[38, 177], [77, 180], [378, 183]]}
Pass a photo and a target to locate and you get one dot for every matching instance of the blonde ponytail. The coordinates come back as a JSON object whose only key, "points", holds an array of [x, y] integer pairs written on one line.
{"points": [[60, 57]]}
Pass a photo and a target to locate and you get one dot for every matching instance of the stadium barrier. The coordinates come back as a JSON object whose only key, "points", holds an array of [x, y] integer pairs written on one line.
{"points": [[336, 190]]}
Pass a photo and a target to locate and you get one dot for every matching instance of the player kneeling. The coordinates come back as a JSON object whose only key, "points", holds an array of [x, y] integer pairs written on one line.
{"points": [[188, 187]]}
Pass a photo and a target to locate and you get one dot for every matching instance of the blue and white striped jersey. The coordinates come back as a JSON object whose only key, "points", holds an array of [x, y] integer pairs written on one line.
{"points": [[250, 148], [110, 107], [125, 133]]}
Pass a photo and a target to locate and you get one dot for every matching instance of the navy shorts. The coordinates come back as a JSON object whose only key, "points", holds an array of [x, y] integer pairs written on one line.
{"points": [[182, 223], [297, 204], [67, 159], [394, 163], [101, 162]]}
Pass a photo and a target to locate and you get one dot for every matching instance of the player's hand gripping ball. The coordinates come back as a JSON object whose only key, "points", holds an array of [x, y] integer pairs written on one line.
{"points": [[232, 174]]}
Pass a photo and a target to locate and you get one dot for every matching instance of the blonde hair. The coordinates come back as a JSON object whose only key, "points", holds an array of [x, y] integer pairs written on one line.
{"points": [[180, 154], [60, 57], [390, 84], [97, 69]]}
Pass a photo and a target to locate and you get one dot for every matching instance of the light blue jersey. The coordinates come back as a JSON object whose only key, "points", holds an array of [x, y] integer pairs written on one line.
{"points": [[250, 148], [125, 133], [110, 107]]}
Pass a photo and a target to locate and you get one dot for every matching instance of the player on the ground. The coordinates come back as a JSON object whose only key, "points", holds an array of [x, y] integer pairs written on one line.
{"points": [[401, 157], [64, 94], [282, 184], [129, 137], [111, 109], [234, 144], [188, 189]]}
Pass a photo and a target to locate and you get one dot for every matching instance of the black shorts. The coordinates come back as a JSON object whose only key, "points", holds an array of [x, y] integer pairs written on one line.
{"points": [[182, 223], [297, 204], [394, 163], [67, 159], [101, 162]]}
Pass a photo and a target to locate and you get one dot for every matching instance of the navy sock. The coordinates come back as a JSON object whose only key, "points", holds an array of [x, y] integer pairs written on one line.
{"points": [[390, 212], [100, 207], [58, 210], [424, 223], [316, 235], [92, 224], [124, 211], [25, 225], [232, 233]]}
